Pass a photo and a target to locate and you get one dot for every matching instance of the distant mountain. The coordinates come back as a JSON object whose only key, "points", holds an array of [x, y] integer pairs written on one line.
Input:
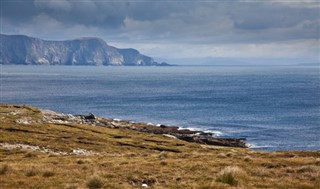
{"points": [[21, 49]]}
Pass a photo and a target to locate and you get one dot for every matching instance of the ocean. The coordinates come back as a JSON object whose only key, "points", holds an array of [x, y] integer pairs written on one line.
{"points": [[274, 107]]}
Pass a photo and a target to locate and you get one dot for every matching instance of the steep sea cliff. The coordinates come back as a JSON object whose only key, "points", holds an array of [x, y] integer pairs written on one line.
{"points": [[20, 49]]}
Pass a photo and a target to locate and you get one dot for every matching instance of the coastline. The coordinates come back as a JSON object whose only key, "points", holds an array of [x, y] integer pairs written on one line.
{"points": [[196, 136], [148, 98], [75, 150]]}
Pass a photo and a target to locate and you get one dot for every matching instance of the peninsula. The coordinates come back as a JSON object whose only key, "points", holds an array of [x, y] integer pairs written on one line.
{"points": [[46, 149], [24, 50]]}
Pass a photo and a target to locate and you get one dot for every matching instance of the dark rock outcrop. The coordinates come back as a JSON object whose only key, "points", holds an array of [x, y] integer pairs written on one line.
{"points": [[20, 49], [169, 131], [192, 136]]}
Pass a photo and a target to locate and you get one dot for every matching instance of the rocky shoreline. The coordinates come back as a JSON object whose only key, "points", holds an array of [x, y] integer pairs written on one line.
{"points": [[46, 149], [168, 131]]}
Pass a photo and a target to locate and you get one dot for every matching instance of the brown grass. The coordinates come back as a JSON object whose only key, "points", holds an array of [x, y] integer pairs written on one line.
{"points": [[95, 183], [4, 169], [128, 162], [31, 172], [48, 174], [232, 175]]}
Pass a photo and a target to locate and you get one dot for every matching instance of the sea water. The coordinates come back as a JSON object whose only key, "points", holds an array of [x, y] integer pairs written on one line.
{"points": [[274, 107]]}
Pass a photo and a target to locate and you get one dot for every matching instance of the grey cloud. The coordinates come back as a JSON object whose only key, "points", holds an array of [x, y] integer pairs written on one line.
{"points": [[83, 12], [260, 16], [165, 22], [191, 17], [61, 5], [17, 11]]}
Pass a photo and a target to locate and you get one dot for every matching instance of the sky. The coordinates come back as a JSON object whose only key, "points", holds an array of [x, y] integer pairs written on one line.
{"points": [[181, 31]]}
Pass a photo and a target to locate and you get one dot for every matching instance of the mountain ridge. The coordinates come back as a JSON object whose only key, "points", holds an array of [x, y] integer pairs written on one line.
{"points": [[25, 50]]}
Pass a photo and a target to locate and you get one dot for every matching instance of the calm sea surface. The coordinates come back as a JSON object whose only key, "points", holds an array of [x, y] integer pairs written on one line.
{"points": [[275, 108]]}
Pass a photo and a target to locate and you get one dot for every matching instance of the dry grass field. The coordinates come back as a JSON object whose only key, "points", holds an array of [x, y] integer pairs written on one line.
{"points": [[70, 156]]}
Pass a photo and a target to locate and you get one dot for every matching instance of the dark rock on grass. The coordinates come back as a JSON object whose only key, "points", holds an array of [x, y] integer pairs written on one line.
{"points": [[90, 116]]}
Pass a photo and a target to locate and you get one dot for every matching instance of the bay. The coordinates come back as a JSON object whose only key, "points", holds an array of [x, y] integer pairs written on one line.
{"points": [[274, 107]]}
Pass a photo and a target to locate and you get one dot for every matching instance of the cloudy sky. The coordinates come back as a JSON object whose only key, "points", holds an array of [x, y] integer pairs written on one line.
{"points": [[177, 31]]}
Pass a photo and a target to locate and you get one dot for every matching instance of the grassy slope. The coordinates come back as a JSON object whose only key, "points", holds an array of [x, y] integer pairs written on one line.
{"points": [[127, 159]]}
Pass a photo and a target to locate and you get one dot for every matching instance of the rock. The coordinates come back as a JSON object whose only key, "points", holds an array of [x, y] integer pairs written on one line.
{"points": [[163, 155], [222, 155], [233, 142], [169, 128], [206, 134], [169, 136], [90, 116], [186, 132], [24, 120]]}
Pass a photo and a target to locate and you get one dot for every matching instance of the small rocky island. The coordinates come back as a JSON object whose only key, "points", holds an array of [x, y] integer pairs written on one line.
{"points": [[25, 50]]}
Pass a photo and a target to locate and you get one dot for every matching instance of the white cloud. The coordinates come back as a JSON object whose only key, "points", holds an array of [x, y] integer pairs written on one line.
{"points": [[289, 3], [285, 49], [44, 26], [297, 3]]}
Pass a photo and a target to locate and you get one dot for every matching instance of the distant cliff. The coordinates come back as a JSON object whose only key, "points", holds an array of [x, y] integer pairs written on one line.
{"points": [[20, 49]]}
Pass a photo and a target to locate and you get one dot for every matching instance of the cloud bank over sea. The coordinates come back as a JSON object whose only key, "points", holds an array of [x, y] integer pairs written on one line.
{"points": [[177, 29]]}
